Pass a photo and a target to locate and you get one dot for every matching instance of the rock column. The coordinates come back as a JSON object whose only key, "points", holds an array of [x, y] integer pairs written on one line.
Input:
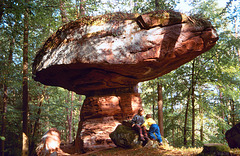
{"points": [[101, 114]]}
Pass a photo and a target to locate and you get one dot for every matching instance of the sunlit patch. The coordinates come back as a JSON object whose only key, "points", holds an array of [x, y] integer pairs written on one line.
{"points": [[50, 143]]}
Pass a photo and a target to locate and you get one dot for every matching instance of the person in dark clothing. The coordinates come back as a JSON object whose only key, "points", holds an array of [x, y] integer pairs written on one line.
{"points": [[137, 122]]}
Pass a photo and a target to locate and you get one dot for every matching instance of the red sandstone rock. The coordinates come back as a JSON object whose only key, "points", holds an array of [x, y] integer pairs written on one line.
{"points": [[101, 115], [119, 50]]}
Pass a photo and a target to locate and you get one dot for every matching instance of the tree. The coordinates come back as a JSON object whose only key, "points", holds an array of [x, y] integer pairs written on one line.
{"points": [[25, 136], [1, 10], [185, 129], [193, 103], [63, 12], [160, 108], [5, 98]]}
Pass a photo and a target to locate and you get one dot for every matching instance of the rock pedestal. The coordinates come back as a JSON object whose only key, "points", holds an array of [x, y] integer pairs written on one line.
{"points": [[100, 115]]}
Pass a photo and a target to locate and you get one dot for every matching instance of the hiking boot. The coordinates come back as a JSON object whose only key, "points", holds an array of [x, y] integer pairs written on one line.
{"points": [[146, 138], [160, 144], [141, 138]]}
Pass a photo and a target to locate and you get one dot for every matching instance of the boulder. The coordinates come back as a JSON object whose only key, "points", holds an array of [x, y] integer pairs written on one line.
{"points": [[126, 137], [233, 136], [215, 149]]}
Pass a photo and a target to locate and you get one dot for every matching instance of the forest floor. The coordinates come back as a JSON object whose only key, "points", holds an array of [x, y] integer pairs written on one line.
{"points": [[146, 151]]}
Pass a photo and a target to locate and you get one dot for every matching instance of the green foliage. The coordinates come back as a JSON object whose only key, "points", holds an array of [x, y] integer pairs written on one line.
{"points": [[216, 74], [2, 138]]}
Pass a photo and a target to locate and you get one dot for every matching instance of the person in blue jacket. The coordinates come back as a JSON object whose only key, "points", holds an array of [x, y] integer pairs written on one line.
{"points": [[137, 122]]}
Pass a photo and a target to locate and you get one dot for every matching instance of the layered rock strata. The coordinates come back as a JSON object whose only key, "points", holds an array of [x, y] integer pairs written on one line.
{"points": [[119, 50], [102, 114]]}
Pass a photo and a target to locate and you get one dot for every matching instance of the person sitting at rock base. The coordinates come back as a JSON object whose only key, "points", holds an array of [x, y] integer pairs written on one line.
{"points": [[153, 129], [137, 122]]}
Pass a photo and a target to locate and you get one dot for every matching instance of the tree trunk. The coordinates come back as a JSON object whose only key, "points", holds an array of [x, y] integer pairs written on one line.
{"points": [[193, 105], [157, 5], [63, 12], [1, 10], [236, 35], [78, 140], [67, 118], [186, 119], [201, 116], [221, 103], [153, 104], [4, 111], [82, 8], [172, 122], [25, 85], [232, 112], [5, 97], [173, 128], [77, 9], [70, 119], [36, 124], [160, 109], [201, 122]]}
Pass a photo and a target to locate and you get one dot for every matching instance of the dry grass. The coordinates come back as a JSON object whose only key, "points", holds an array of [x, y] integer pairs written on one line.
{"points": [[163, 150], [235, 152]]}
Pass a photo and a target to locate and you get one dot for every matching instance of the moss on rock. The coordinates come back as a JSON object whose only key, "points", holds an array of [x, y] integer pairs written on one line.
{"points": [[125, 137], [213, 149]]}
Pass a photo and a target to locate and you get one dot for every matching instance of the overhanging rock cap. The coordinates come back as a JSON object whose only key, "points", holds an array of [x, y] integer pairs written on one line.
{"points": [[119, 50]]}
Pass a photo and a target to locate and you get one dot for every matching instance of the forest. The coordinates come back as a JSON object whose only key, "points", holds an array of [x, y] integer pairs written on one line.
{"points": [[201, 99]]}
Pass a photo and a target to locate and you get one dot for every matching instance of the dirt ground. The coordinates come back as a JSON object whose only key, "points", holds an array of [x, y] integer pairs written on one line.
{"points": [[118, 151]]}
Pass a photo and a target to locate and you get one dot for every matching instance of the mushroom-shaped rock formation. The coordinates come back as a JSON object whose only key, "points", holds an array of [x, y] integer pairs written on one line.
{"points": [[104, 57]]}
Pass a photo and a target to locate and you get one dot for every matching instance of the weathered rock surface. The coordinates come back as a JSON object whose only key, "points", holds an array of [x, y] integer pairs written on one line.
{"points": [[233, 136], [126, 137], [119, 50], [101, 115]]}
